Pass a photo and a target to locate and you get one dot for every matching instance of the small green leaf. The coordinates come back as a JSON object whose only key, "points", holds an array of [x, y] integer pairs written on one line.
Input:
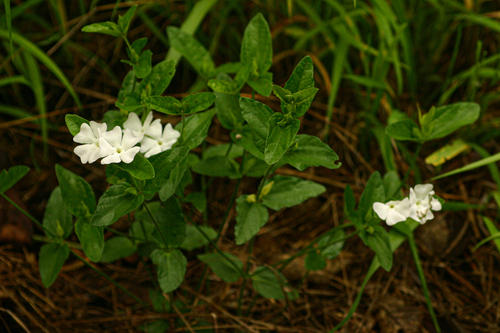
{"points": [[391, 184], [108, 28], [223, 86], [74, 123], [405, 130], [256, 45], [139, 168], [314, 261], [284, 95], [164, 104], [9, 177], [290, 191], [131, 101], [171, 268], [228, 107], [198, 199], [251, 217], [197, 102], [257, 115], [301, 78], [57, 220], [160, 302], [171, 223], [218, 166], [449, 118], [374, 192], [195, 128], [279, 138], [195, 239], [270, 284], [114, 203], [350, 207], [113, 118], [137, 46], [143, 66], [51, 260], [124, 21], [330, 244], [159, 78], [221, 267], [263, 84], [91, 238], [379, 242], [116, 248], [174, 180], [310, 151], [76, 193]]}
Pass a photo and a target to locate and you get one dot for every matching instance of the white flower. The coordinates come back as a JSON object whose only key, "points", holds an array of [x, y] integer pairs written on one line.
{"points": [[422, 201], [393, 211], [90, 151], [155, 141], [117, 146], [139, 129]]}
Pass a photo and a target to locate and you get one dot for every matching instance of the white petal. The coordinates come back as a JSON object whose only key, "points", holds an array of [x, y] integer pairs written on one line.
{"points": [[403, 207], [435, 204], [148, 120], [148, 144], [169, 144], [381, 209], [114, 137], [423, 190], [155, 150], [154, 130], [133, 123], [128, 155], [114, 158], [129, 139], [85, 135], [98, 128], [84, 152], [106, 148], [95, 155], [170, 134], [394, 217]]}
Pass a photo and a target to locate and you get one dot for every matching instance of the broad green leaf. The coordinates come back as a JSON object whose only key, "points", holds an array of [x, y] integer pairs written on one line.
{"points": [[254, 167], [159, 301], [51, 259], [108, 28], [159, 78], [143, 66], [256, 46], [405, 130], [263, 84], [74, 123], [115, 175], [449, 118], [301, 78], [314, 261], [251, 217], [174, 180], [218, 166], [195, 239], [279, 138], [163, 165], [164, 104], [257, 115], [117, 201], [128, 85], [290, 191], [171, 223], [137, 46], [283, 94], [391, 185], [270, 284], [379, 242], [245, 139], [225, 149], [310, 151], [301, 99], [197, 102], [171, 268], [57, 220], [142, 231], [223, 86], [330, 245], [195, 128], [131, 102], [124, 21], [91, 238], [228, 107], [9, 177], [116, 248], [198, 199], [221, 267], [114, 118], [374, 192], [192, 51], [139, 168], [76, 192]]}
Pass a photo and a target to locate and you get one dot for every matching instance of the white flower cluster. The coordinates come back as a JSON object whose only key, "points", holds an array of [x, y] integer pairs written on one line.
{"points": [[119, 145], [418, 206]]}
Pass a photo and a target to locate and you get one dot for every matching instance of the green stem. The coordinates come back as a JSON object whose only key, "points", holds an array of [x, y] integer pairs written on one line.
{"points": [[226, 213], [414, 252], [111, 280], [244, 283], [263, 181], [155, 223], [182, 128], [48, 240]]}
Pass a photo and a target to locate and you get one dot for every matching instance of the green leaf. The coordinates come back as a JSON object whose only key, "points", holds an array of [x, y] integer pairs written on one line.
{"points": [[314, 261], [405, 130], [263, 84], [159, 301], [195, 239], [197, 102], [137, 47], [244, 138], [257, 115], [449, 118], [108, 28], [159, 78], [192, 51], [57, 220], [171, 223], [195, 129], [143, 66], [374, 192], [256, 45], [124, 21], [301, 78], [310, 151], [228, 107], [223, 86], [270, 284], [114, 118], [117, 201], [163, 164], [221, 267], [391, 185], [224, 149], [91, 238], [198, 199], [350, 207], [116, 248], [164, 104], [9, 177], [379, 242], [51, 260], [171, 268], [218, 166], [76, 192], [139, 168], [174, 180], [279, 138], [330, 244], [290, 191], [74, 123], [131, 102], [284, 95], [251, 217]]}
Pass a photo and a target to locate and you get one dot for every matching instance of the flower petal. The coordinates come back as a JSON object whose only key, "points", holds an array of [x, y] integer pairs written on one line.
{"points": [[423, 190], [435, 204], [155, 150], [86, 135], [154, 130], [113, 158], [128, 155], [148, 144], [114, 137], [381, 209], [133, 123], [84, 152], [129, 139], [106, 148], [394, 217]]}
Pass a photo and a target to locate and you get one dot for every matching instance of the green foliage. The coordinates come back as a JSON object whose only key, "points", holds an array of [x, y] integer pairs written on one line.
{"points": [[251, 217], [195, 129], [57, 220], [195, 239], [51, 259], [171, 268], [378, 240], [10, 177], [91, 238], [76, 192], [74, 123], [290, 191], [282, 132], [257, 115], [218, 166], [271, 284], [307, 151], [116, 248], [222, 265], [171, 223]]}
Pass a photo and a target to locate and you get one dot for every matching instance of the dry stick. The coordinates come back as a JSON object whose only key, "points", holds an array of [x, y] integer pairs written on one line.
{"points": [[16, 318]]}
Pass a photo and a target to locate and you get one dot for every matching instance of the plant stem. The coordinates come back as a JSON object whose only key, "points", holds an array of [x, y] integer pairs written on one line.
{"points": [[244, 283], [48, 240], [182, 128], [155, 223], [263, 181], [226, 213]]}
